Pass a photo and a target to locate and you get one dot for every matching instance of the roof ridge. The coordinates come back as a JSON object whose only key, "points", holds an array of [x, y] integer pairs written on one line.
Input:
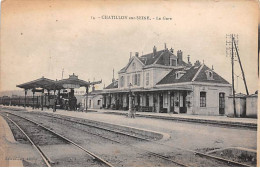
{"points": [[144, 55], [158, 57], [196, 75]]}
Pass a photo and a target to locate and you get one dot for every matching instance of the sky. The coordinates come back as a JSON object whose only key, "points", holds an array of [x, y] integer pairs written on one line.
{"points": [[41, 37]]}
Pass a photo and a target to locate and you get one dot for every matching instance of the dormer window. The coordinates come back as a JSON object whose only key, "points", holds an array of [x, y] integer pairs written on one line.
{"points": [[209, 74], [133, 66], [173, 60], [179, 74]]}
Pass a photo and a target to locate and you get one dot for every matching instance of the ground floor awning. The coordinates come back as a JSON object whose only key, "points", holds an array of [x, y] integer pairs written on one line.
{"points": [[154, 89]]}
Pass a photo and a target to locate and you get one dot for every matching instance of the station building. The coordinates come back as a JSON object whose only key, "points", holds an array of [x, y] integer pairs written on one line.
{"points": [[162, 82]]}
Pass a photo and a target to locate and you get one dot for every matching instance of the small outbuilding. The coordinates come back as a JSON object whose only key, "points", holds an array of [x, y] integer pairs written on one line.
{"points": [[240, 100], [251, 105], [94, 100]]}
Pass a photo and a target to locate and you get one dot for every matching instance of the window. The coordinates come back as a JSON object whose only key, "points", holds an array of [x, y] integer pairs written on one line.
{"points": [[122, 81], [221, 100], [128, 79], [136, 79], [179, 74], [147, 100], [98, 102], [202, 99], [209, 74], [133, 66], [173, 62], [147, 79]]}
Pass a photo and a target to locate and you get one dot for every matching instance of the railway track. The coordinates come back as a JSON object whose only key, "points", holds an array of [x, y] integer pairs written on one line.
{"points": [[226, 161], [44, 156], [199, 121], [117, 141], [229, 162]]}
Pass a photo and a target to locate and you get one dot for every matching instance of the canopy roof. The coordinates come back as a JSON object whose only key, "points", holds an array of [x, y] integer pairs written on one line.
{"points": [[44, 83], [39, 83], [73, 79]]}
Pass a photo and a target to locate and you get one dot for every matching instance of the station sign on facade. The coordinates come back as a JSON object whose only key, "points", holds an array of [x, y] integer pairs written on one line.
{"points": [[71, 86]]}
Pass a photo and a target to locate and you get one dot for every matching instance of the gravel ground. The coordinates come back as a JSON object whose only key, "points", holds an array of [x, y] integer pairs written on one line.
{"points": [[118, 155], [121, 155], [237, 155], [44, 139]]}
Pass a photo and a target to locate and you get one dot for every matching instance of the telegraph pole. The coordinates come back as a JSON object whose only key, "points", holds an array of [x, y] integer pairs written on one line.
{"points": [[233, 85], [230, 53], [62, 73], [244, 78]]}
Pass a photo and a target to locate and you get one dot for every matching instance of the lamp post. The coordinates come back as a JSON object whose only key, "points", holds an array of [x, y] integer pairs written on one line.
{"points": [[86, 99], [130, 100]]}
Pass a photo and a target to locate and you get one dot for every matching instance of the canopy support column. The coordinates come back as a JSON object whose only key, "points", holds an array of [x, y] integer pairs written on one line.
{"points": [[58, 98], [55, 102], [33, 98], [42, 99], [25, 93], [37, 105], [48, 97], [45, 101], [86, 98]]}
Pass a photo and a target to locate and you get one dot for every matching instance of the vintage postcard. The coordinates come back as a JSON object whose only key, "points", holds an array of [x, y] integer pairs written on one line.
{"points": [[150, 83]]}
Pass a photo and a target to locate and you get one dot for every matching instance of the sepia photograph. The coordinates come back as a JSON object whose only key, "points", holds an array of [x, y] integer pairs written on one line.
{"points": [[150, 83]]}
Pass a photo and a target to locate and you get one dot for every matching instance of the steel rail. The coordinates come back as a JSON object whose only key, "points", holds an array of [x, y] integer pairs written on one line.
{"points": [[195, 152], [180, 148], [113, 140], [46, 160], [94, 156]]}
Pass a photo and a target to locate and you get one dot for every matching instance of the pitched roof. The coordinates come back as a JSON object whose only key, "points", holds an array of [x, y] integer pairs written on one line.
{"points": [[202, 77], [189, 74], [170, 78], [150, 58], [161, 57], [55, 85], [113, 85], [39, 83]]}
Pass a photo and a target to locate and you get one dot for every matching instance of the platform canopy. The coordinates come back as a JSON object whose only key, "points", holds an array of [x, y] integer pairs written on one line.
{"points": [[72, 82], [44, 83]]}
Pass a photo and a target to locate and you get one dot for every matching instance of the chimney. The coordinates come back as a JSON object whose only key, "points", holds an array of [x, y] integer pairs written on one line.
{"points": [[165, 47], [136, 54], [171, 50], [212, 68], [179, 56], [113, 79], [197, 63], [154, 50], [188, 58], [93, 88], [130, 56]]}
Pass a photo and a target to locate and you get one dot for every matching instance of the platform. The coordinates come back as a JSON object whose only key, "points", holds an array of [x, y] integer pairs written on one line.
{"points": [[184, 134]]}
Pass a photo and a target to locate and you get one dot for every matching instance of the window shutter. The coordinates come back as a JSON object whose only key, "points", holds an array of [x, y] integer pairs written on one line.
{"points": [[138, 79]]}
